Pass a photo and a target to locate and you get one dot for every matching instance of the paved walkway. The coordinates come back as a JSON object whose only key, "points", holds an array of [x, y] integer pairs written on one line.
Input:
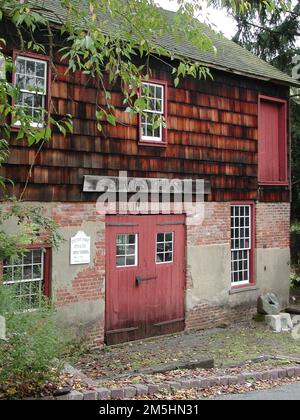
{"points": [[284, 393]]}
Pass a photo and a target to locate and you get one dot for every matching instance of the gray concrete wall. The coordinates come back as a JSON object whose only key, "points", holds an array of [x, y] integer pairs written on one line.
{"points": [[210, 280]]}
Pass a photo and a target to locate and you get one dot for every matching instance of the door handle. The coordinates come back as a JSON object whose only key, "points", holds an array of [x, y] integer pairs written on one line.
{"points": [[139, 279]]}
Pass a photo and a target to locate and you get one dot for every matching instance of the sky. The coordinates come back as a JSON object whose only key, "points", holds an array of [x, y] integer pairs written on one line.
{"points": [[218, 18]]}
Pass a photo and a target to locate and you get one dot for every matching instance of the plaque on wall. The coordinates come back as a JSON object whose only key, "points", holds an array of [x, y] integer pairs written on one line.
{"points": [[80, 249]]}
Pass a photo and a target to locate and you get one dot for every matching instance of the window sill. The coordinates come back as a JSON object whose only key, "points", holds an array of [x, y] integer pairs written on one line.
{"points": [[152, 143], [274, 184], [240, 289]]}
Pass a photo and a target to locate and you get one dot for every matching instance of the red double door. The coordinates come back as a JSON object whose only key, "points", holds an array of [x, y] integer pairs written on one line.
{"points": [[145, 276]]}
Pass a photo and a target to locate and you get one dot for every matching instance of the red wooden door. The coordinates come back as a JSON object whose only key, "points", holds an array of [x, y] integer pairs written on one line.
{"points": [[145, 276]]}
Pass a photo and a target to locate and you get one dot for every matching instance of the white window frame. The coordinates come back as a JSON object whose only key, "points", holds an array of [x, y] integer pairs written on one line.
{"points": [[151, 111], [164, 252], [237, 248], [43, 94], [40, 280], [136, 243]]}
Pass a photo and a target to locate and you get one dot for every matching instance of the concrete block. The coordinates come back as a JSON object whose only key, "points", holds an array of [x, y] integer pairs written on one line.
{"points": [[103, 394], [282, 373], [214, 382], [117, 393], [290, 372], [90, 395], [173, 385], [297, 371], [265, 376], [75, 395], [154, 388], [279, 323], [241, 379], [274, 374], [141, 390], [62, 397], [129, 392], [186, 384], [224, 380], [232, 380], [205, 383]]}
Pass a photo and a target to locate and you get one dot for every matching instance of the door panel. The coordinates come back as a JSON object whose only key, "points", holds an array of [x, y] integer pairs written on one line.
{"points": [[147, 298]]}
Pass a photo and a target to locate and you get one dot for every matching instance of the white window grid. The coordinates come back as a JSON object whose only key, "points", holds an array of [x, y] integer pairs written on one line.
{"points": [[25, 275], [164, 247], [31, 78], [240, 244], [126, 250], [155, 96]]}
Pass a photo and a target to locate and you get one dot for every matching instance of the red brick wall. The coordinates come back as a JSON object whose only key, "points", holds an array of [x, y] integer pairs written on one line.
{"points": [[272, 225], [215, 228], [89, 283], [206, 316]]}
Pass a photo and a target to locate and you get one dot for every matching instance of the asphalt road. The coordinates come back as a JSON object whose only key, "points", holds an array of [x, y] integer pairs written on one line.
{"points": [[284, 393]]}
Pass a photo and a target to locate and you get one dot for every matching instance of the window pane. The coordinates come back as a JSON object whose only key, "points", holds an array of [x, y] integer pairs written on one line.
{"points": [[126, 250], [121, 250], [20, 66], [40, 69], [25, 276], [164, 247], [130, 260], [120, 261], [30, 67]]}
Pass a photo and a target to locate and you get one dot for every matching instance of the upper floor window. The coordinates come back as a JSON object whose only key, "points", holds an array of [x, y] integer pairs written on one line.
{"points": [[31, 76], [272, 142], [152, 126]]}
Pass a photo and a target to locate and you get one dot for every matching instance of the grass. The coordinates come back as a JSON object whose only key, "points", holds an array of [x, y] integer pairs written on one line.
{"points": [[228, 347]]}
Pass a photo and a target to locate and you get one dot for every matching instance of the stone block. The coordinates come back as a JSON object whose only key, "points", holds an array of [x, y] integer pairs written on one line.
{"points": [[75, 395], [279, 323], [90, 395], [268, 304], [141, 390], [129, 392], [117, 393], [103, 394]]}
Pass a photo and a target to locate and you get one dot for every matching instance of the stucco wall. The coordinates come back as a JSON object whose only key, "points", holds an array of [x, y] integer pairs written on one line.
{"points": [[210, 299]]}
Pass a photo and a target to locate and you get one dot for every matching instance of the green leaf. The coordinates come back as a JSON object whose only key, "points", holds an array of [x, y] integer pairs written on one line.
{"points": [[111, 119]]}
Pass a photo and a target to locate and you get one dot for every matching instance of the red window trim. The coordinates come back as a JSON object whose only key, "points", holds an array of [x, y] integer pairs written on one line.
{"points": [[42, 57], [164, 141], [283, 102], [252, 281], [47, 265]]}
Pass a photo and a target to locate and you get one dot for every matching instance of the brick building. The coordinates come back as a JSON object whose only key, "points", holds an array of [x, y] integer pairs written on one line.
{"points": [[154, 274]]}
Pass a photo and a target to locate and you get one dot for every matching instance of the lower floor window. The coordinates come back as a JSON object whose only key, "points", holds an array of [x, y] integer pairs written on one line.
{"points": [[25, 275], [241, 227]]}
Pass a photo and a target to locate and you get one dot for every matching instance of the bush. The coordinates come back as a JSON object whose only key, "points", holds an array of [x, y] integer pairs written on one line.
{"points": [[295, 279], [31, 351]]}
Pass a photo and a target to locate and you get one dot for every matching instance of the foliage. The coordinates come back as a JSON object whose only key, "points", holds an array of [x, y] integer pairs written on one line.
{"points": [[32, 347], [31, 226], [295, 279]]}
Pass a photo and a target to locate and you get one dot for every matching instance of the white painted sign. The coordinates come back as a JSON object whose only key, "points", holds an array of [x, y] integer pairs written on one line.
{"points": [[2, 328], [80, 249]]}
